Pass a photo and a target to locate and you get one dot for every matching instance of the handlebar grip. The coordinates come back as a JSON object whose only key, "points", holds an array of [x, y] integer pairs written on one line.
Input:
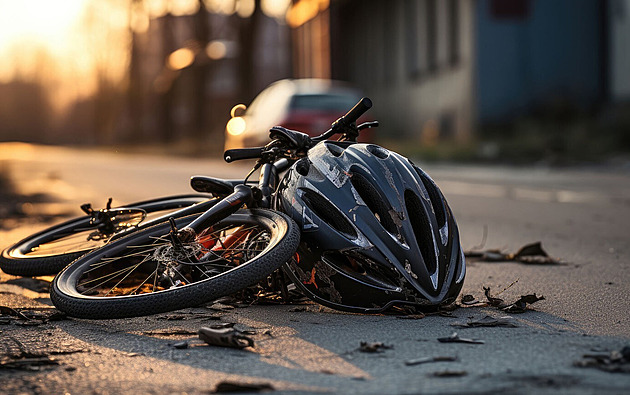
{"points": [[359, 109], [242, 153]]}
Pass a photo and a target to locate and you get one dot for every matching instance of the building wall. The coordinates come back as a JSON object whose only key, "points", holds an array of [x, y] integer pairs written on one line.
{"points": [[221, 91], [311, 55], [542, 53], [619, 14], [405, 57]]}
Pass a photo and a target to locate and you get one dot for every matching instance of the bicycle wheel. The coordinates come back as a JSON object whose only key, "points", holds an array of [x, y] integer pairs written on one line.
{"points": [[147, 272], [52, 249]]}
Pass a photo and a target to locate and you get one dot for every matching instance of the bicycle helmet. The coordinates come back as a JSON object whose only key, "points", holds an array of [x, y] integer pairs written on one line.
{"points": [[376, 230]]}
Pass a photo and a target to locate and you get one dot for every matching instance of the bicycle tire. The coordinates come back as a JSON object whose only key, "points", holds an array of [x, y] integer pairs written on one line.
{"points": [[43, 253], [95, 287]]}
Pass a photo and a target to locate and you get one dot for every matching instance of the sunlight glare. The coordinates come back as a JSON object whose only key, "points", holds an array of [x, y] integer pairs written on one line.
{"points": [[184, 7], [304, 10], [43, 21], [39, 41], [275, 8], [216, 50], [181, 59], [156, 8], [140, 22], [245, 8], [226, 7]]}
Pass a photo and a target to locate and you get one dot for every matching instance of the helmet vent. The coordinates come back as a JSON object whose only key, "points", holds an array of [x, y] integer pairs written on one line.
{"points": [[334, 149], [422, 229], [377, 151], [302, 166], [374, 201], [354, 264], [436, 197], [328, 213]]}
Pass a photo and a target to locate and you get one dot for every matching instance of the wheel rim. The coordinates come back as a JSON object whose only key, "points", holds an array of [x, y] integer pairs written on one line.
{"points": [[155, 264], [86, 234]]}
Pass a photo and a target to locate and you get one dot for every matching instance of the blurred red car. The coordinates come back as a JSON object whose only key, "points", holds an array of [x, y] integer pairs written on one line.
{"points": [[307, 105]]}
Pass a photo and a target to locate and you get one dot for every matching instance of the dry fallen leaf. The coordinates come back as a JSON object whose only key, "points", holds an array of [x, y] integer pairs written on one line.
{"points": [[520, 306], [373, 347], [232, 386], [532, 254], [469, 300], [450, 373], [492, 301], [419, 361], [488, 321], [454, 338], [225, 337], [614, 362]]}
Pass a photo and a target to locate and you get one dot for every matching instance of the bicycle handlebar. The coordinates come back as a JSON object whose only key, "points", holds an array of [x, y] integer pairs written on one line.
{"points": [[351, 116], [243, 153], [346, 125]]}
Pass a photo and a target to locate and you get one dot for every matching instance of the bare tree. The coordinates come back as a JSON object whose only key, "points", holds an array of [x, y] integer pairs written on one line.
{"points": [[106, 40], [135, 86], [249, 29], [167, 95], [201, 72]]}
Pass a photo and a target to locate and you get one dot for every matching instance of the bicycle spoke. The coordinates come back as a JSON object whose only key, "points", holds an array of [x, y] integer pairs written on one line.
{"points": [[178, 272], [145, 281], [107, 261], [219, 250], [113, 275], [155, 277], [62, 246], [123, 279], [107, 278]]}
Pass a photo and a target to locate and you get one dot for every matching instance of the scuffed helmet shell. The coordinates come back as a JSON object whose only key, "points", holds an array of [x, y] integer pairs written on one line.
{"points": [[376, 230]]}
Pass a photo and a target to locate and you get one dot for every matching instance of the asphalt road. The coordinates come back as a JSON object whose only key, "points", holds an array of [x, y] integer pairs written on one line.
{"points": [[579, 215]]}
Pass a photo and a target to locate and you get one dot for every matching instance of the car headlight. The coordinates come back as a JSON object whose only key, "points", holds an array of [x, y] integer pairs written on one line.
{"points": [[236, 126]]}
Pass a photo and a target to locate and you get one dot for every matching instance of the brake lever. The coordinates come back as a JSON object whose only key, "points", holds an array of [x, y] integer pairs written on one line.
{"points": [[368, 125]]}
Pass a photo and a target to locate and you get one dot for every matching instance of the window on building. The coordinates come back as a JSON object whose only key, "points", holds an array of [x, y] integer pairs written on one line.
{"points": [[431, 25], [509, 9], [412, 34], [453, 31], [390, 28]]}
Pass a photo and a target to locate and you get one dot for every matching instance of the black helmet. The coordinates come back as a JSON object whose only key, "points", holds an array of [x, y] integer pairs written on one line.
{"points": [[376, 230]]}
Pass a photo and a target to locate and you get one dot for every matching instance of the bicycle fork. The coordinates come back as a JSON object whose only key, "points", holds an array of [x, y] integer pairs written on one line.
{"points": [[242, 194], [227, 206]]}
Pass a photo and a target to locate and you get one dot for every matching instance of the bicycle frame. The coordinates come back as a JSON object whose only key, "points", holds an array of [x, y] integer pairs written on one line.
{"points": [[283, 141], [259, 196]]}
